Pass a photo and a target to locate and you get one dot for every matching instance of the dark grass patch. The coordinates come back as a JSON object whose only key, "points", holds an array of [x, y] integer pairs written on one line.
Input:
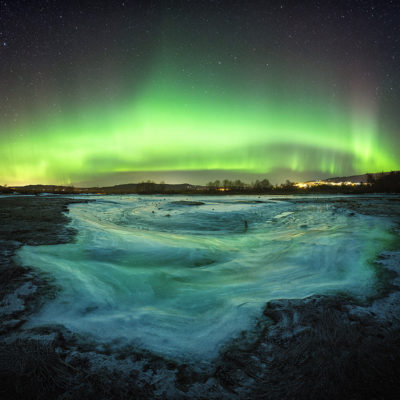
{"points": [[316, 352], [32, 370]]}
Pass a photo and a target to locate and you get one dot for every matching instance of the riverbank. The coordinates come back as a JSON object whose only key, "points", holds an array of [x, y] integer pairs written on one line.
{"points": [[319, 347]]}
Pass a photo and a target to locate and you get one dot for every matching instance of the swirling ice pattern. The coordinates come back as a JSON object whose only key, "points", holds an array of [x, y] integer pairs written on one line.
{"points": [[180, 277]]}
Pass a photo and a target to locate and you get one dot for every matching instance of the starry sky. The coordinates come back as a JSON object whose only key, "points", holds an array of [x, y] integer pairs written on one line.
{"points": [[110, 92]]}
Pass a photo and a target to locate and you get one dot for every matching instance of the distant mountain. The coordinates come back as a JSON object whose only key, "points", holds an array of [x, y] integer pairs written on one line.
{"points": [[43, 189], [358, 178], [143, 187]]}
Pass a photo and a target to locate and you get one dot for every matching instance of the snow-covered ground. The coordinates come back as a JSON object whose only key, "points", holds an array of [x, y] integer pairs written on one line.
{"points": [[181, 276]]}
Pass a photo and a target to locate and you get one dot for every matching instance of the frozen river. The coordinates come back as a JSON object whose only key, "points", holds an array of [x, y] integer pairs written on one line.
{"points": [[181, 276]]}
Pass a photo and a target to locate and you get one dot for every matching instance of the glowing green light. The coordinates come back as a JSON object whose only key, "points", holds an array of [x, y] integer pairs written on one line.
{"points": [[174, 126]]}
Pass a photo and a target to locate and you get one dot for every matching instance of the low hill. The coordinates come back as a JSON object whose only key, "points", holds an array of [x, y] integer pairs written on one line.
{"points": [[359, 178]]}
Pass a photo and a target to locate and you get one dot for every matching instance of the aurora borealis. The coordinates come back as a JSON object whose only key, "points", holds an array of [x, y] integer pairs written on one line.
{"points": [[95, 94]]}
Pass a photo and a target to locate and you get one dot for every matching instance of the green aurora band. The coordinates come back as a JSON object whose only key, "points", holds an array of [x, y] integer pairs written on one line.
{"points": [[172, 124]]}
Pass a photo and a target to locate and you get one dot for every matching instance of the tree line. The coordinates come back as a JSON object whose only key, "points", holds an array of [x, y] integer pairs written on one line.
{"points": [[389, 183]]}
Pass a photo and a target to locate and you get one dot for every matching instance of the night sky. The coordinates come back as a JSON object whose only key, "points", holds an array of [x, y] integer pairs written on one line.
{"points": [[102, 93]]}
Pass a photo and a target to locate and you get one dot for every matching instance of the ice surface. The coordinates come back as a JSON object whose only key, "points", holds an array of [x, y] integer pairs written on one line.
{"points": [[181, 279]]}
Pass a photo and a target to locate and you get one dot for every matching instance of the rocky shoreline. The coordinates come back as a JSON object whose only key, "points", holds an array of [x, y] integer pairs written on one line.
{"points": [[321, 347]]}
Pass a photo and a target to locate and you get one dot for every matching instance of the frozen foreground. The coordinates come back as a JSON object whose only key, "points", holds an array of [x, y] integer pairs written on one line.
{"points": [[177, 297], [181, 277]]}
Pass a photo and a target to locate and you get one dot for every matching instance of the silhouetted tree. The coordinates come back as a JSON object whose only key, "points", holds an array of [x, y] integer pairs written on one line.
{"points": [[265, 184], [227, 184], [215, 184], [389, 183], [238, 185], [370, 178]]}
